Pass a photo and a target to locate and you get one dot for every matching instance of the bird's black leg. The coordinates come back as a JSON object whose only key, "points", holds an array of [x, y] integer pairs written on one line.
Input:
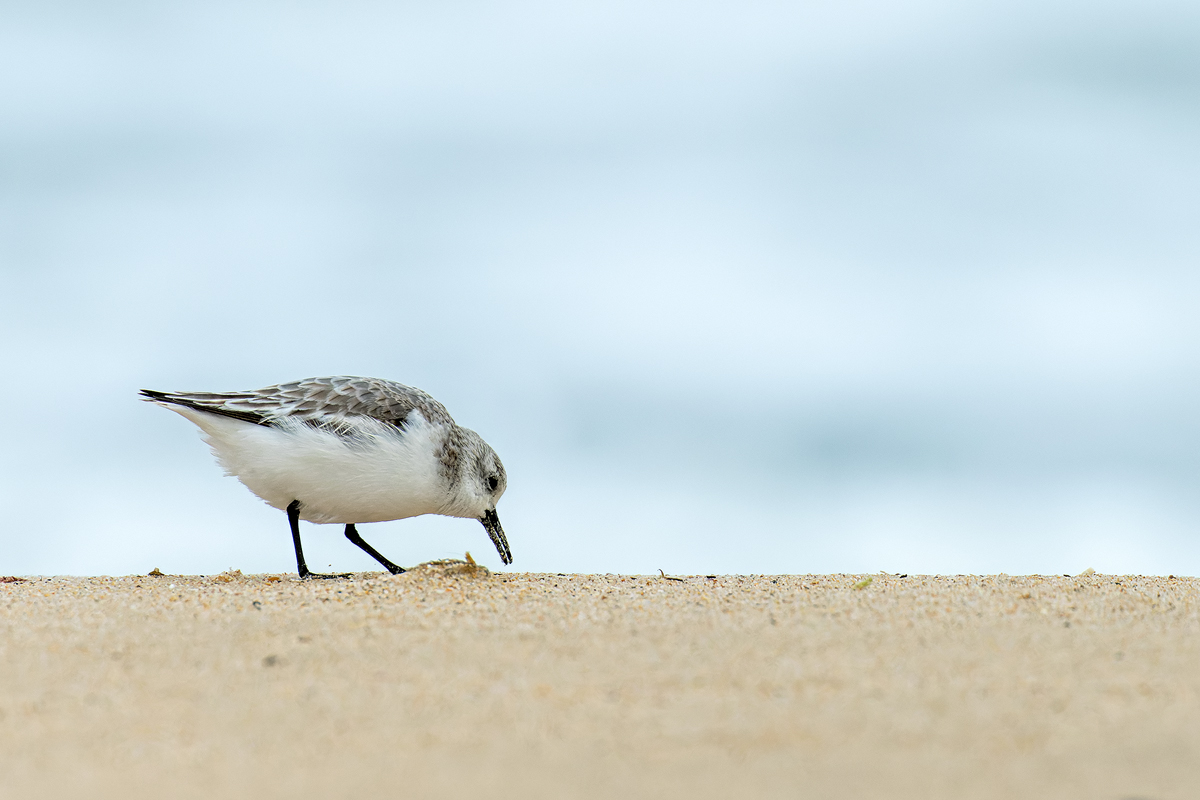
{"points": [[293, 512], [352, 535]]}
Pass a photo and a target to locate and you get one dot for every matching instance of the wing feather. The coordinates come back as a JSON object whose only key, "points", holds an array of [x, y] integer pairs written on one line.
{"points": [[321, 401]]}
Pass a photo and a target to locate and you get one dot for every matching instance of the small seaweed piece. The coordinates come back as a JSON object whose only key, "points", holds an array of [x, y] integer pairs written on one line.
{"points": [[668, 577], [864, 583]]}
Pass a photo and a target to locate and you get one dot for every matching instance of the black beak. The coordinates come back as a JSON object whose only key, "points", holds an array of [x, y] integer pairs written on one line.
{"points": [[491, 522]]}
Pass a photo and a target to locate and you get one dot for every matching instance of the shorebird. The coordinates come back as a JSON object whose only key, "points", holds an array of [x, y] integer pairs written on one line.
{"points": [[349, 450]]}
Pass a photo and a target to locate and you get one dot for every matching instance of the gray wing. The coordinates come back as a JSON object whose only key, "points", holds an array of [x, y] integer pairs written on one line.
{"points": [[322, 401]]}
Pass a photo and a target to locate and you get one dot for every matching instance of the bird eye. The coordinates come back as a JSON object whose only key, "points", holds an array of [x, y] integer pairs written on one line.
{"points": [[492, 482]]}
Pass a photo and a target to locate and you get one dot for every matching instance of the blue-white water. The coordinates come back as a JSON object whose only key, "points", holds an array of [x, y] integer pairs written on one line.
{"points": [[731, 287]]}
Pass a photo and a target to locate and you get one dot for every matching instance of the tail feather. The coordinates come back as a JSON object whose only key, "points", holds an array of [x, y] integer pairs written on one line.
{"points": [[170, 398]]}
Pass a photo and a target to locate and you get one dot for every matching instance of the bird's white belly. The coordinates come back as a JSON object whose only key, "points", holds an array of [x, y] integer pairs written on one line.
{"points": [[378, 474]]}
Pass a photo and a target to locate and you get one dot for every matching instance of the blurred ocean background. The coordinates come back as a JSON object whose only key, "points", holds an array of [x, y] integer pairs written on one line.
{"points": [[739, 287]]}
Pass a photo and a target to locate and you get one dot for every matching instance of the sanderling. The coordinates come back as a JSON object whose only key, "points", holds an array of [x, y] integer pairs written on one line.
{"points": [[349, 450]]}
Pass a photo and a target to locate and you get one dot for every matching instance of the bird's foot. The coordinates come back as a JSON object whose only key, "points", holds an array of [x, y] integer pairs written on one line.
{"points": [[324, 576]]}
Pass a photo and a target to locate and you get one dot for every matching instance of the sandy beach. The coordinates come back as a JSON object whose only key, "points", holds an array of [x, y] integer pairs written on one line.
{"points": [[450, 681]]}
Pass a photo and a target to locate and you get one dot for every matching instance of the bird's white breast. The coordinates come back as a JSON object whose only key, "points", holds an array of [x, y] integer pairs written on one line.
{"points": [[375, 474]]}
